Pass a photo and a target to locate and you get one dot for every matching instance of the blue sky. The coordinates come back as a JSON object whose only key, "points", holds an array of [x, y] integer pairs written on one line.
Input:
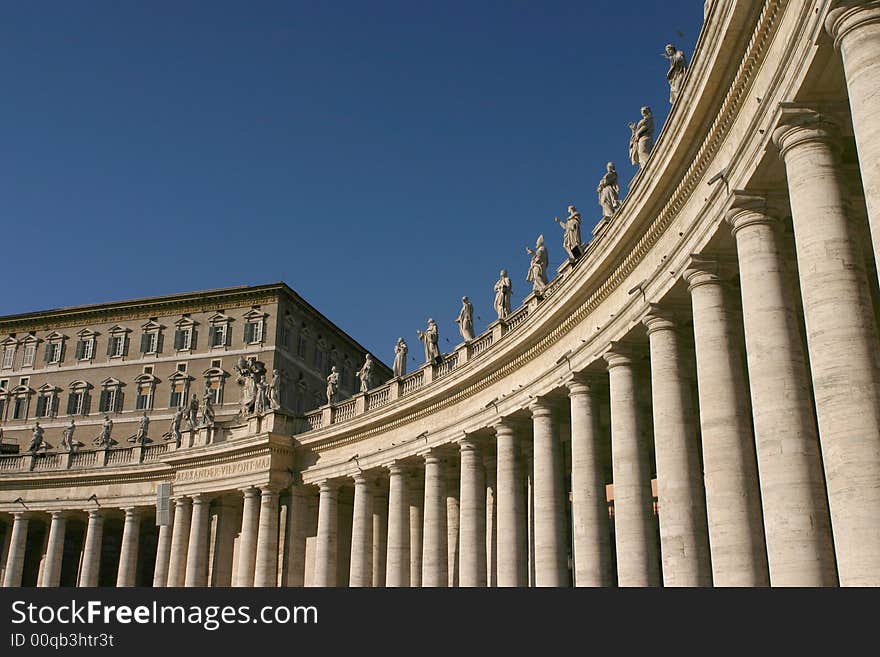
{"points": [[382, 158]]}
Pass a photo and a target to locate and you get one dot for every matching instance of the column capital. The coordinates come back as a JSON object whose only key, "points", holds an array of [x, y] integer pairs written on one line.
{"points": [[269, 489], [846, 16], [507, 424], [396, 468], [621, 353], [584, 383], [132, 512], [182, 500], [660, 318], [59, 514], [753, 208], [433, 456], [540, 407], [706, 270], [466, 442], [328, 486], [801, 124], [360, 478], [250, 491], [94, 513]]}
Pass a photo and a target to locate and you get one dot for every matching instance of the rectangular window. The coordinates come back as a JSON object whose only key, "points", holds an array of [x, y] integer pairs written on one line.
{"points": [[19, 408], [117, 346], [110, 399], [301, 347], [285, 336], [4, 383], [53, 352], [183, 339], [8, 355], [218, 335], [216, 363], [149, 343], [144, 399], [42, 406], [253, 332], [178, 398], [181, 367], [30, 351], [2, 409], [78, 403], [148, 369], [23, 381], [215, 394], [88, 349]]}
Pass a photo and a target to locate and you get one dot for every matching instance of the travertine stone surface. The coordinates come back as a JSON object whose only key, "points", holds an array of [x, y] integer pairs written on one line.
{"points": [[128, 551], [841, 338], [163, 556], [54, 550], [733, 500], [435, 554], [92, 549], [328, 523], [472, 507], [796, 521], [247, 542], [638, 563], [397, 559], [681, 498], [361, 568], [180, 541], [197, 547], [512, 549], [266, 569], [590, 524]]}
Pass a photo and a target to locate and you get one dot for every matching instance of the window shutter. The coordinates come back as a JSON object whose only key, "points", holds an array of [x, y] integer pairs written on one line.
{"points": [[212, 336], [103, 401], [110, 343], [80, 349], [41, 406], [71, 403], [61, 352], [178, 340], [159, 340], [192, 340], [120, 396], [228, 334], [249, 332], [145, 342], [47, 355], [125, 342], [87, 402], [55, 401]]}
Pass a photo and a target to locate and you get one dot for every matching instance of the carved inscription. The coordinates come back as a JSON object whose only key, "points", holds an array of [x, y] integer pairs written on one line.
{"points": [[224, 470]]}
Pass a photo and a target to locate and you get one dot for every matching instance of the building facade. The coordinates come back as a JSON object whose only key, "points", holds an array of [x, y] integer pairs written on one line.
{"points": [[695, 401]]}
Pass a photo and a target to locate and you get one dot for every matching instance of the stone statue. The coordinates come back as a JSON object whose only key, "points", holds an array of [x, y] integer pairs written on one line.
{"points": [[37, 441], [208, 407], [503, 290], [365, 374], [677, 70], [174, 431], [465, 320], [67, 441], [140, 437], [641, 140], [400, 351], [104, 438], [608, 190], [431, 339], [572, 227], [192, 413], [538, 266], [262, 403], [275, 390], [332, 385], [251, 373]]}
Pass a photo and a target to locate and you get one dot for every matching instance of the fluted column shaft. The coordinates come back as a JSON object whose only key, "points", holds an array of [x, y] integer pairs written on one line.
{"points": [[17, 546], [796, 521], [510, 497], [684, 535], [327, 539], [197, 548], [179, 541], [266, 569], [54, 550], [841, 339], [163, 556], [435, 555], [638, 563], [361, 568], [472, 523], [733, 500], [247, 542], [128, 551], [88, 574], [855, 27], [589, 509], [397, 558]]}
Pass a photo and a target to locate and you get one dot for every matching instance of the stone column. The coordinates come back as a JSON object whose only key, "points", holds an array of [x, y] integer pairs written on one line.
{"points": [[54, 550], [163, 556], [452, 522], [179, 541], [528, 484], [91, 563], [638, 563], [589, 510], [796, 521], [512, 551], [490, 467], [128, 551], [551, 558], [247, 541], [397, 559], [296, 524], [361, 569], [733, 499], [380, 535], [841, 338], [681, 498], [472, 509], [266, 569], [197, 549], [416, 496], [17, 546], [435, 554], [328, 528], [855, 27]]}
